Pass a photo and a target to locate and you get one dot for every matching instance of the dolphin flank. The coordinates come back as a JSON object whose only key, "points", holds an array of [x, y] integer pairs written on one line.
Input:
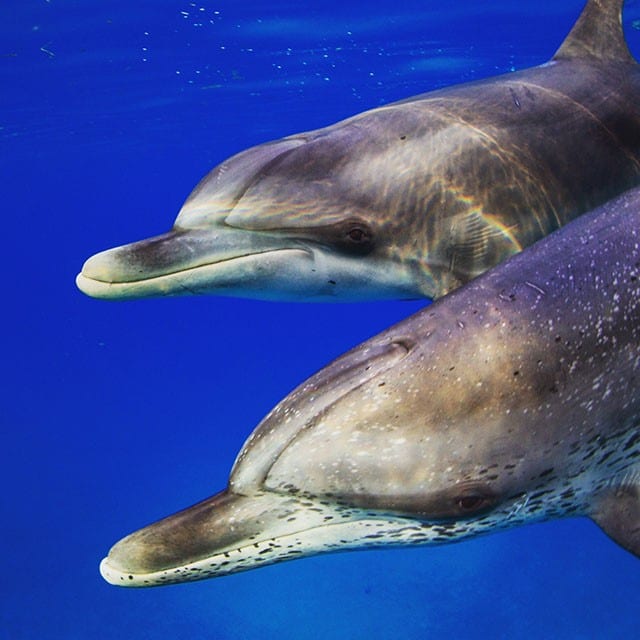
{"points": [[514, 399], [408, 200]]}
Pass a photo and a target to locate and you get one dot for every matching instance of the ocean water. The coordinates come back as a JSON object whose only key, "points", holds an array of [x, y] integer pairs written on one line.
{"points": [[116, 414]]}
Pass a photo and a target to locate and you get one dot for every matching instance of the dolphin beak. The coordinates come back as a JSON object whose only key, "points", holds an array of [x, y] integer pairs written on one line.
{"points": [[223, 534], [172, 550], [187, 262], [230, 532]]}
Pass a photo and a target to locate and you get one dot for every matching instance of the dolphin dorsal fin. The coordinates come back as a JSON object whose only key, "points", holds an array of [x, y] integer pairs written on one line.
{"points": [[597, 34]]}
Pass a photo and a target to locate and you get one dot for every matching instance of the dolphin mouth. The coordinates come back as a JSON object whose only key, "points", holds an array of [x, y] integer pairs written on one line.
{"points": [[229, 533], [186, 263]]}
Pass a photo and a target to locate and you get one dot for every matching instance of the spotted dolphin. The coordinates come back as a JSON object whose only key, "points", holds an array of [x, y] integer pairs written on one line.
{"points": [[514, 399], [408, 200]]}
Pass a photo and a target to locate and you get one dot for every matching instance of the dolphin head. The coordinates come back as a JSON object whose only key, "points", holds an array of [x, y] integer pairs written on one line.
{"points": [[387, 446], [279, 221]]}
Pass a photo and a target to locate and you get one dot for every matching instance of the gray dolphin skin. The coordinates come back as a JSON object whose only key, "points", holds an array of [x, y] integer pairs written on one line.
{"points": [[408, 200], [514, 399]]}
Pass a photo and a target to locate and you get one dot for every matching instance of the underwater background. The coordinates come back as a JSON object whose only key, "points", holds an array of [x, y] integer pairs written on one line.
{"points": [[116, 414]]}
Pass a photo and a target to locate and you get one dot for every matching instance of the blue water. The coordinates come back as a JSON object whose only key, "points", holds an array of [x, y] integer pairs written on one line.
{"points": [[116, 414]]}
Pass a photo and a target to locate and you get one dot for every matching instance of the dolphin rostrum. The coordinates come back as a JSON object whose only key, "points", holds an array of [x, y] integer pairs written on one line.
{"points": [[514, 399], [408, 200]]}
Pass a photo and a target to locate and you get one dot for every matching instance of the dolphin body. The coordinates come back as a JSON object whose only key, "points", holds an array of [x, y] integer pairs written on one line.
{"points": [[514, 399], [408, 200]]}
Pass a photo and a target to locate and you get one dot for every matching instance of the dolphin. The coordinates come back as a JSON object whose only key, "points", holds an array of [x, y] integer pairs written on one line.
{"points": [[514, 399], [409, 200]]}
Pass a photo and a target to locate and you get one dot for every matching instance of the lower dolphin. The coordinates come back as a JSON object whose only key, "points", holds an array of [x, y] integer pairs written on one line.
{"points": [[514, 399]]}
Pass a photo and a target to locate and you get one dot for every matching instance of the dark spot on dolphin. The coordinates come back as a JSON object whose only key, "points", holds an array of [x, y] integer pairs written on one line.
{"points": [[607, 455], [514, 97], [631, 441], [539, 494]]}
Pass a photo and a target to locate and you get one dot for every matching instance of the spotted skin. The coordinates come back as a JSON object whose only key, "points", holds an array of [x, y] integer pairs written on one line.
{"points": [[409, 200], [514, 399]]}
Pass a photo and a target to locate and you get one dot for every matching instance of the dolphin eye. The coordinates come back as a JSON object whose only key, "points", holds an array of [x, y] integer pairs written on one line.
{"points": [[474, 501], [469, 503], [357, 234], [352, 236]]}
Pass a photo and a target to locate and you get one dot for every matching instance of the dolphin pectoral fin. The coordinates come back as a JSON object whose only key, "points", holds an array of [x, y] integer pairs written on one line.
{"points": [[618, 515], [477, 240]]}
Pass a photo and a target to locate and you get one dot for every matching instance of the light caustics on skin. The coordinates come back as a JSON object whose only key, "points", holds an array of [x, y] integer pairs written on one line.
{"points": [[512, 400], [411, 199]]}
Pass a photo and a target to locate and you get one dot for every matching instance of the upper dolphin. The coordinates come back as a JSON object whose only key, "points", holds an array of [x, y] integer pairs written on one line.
{"points": [[514, 399], [408, 200]]}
